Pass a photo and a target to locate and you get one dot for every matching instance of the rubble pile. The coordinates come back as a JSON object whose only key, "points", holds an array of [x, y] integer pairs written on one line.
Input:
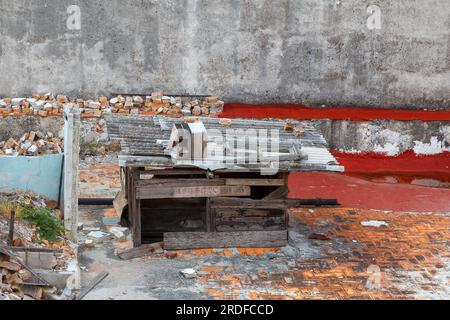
{"points": [[157, 103], [12, 277], [28, 252], [32, 144], [25, 233]]}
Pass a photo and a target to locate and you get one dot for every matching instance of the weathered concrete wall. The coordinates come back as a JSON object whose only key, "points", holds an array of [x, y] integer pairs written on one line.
{"points": [[334, 52], [41, 175], [15, 127], [386, 137]]}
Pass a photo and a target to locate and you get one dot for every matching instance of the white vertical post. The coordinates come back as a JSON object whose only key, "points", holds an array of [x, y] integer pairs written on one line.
{"points": [[71, 159]]}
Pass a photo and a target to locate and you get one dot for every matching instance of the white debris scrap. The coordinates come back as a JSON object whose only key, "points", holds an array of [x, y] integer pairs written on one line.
{"points": [[374, 223], [189, 273]]}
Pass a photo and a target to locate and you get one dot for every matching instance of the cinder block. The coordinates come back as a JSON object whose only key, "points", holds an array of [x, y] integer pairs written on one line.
{"points": [[39, 260]]}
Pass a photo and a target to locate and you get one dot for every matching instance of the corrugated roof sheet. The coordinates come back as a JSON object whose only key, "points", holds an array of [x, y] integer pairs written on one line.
{"points": [[144, 141]]}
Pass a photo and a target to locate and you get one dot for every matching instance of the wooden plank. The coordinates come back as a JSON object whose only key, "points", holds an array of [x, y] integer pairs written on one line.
{"points": [[134, 208], [235, 219], [280, 193], [222, 202], [199, 240], [193, 192], [140, 251], [138, 229], [231, 213], [207, 218], [212, 217], [227, 227], [176, 172], [255, 182], [179, 183]]}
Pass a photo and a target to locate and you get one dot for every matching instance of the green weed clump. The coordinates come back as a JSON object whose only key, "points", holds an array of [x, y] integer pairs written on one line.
{"points": [[47, 226]]}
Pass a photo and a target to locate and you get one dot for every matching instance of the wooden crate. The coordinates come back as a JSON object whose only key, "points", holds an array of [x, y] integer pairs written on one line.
{"points": [[156, 197]]}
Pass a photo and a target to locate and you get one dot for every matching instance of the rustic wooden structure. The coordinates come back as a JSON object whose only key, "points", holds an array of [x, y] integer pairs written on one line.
{"points": [[212, 202]]}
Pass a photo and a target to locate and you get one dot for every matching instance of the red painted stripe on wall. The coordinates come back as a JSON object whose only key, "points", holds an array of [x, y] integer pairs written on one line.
{"points": [[372, 180], [407, 162], [296, 111], [354, 192]]}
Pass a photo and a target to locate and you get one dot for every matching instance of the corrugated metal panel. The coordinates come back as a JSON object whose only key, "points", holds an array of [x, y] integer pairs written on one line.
{"points": [[143, 139]]}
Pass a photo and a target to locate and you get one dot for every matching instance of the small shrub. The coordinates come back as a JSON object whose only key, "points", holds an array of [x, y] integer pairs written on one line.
{"points": [[48, 227]]}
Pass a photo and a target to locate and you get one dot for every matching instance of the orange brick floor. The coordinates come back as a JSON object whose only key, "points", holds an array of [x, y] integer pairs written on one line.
{"points": [[99, 181], [333, 253], [406, 257]]}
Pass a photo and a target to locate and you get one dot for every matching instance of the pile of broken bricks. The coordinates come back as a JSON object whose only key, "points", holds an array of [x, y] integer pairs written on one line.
{"points": [[32, 144], [24, 273], [32, 268], [13, 278], [156, 103]]}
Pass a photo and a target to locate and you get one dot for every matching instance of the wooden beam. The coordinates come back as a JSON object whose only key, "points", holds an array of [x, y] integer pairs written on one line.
{"points": [[157, 183], [173, 172], [140, 251], [222, 202], [279, 193], [134, 208], [207, 218], [193, 192], [198, 240], [255, 182]]}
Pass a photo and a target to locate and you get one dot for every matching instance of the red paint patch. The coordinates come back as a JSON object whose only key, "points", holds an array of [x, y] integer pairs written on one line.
{"points": [[297, 111], [434, 166], [352, 192]]}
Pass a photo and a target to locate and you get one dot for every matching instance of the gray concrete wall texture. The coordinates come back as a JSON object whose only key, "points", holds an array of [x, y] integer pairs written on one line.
{"points": [[335, 52]]}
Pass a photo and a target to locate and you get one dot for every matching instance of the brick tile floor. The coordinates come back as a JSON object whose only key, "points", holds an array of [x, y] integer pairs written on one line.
{"points": [[406, 258], [99, 181], [362, 254]]}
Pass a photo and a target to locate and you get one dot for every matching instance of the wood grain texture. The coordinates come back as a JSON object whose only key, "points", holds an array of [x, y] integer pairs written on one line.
{"points": [[255, 182], [235, 219], [140, 251], [198, 240], [192, 192], [152, 183], [223, 202]]}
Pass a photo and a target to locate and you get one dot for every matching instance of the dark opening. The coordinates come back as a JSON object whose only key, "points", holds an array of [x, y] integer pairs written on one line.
{"points": [[171, 215]]}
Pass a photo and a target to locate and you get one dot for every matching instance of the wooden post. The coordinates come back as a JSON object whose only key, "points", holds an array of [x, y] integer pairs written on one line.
{"points": [[71, 160], [137, 228], [11, 228], [134, 205]]}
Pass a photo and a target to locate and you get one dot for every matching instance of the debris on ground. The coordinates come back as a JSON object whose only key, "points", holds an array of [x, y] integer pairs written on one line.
{"points": [[322, 230], [120, 233], [33, 143], [189, 273], [374, 223], [141, 251], [157, 103], [38, 243]]}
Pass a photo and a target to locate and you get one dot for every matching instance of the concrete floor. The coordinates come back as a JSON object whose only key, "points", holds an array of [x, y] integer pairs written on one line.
{"points": [[363, 254]]}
